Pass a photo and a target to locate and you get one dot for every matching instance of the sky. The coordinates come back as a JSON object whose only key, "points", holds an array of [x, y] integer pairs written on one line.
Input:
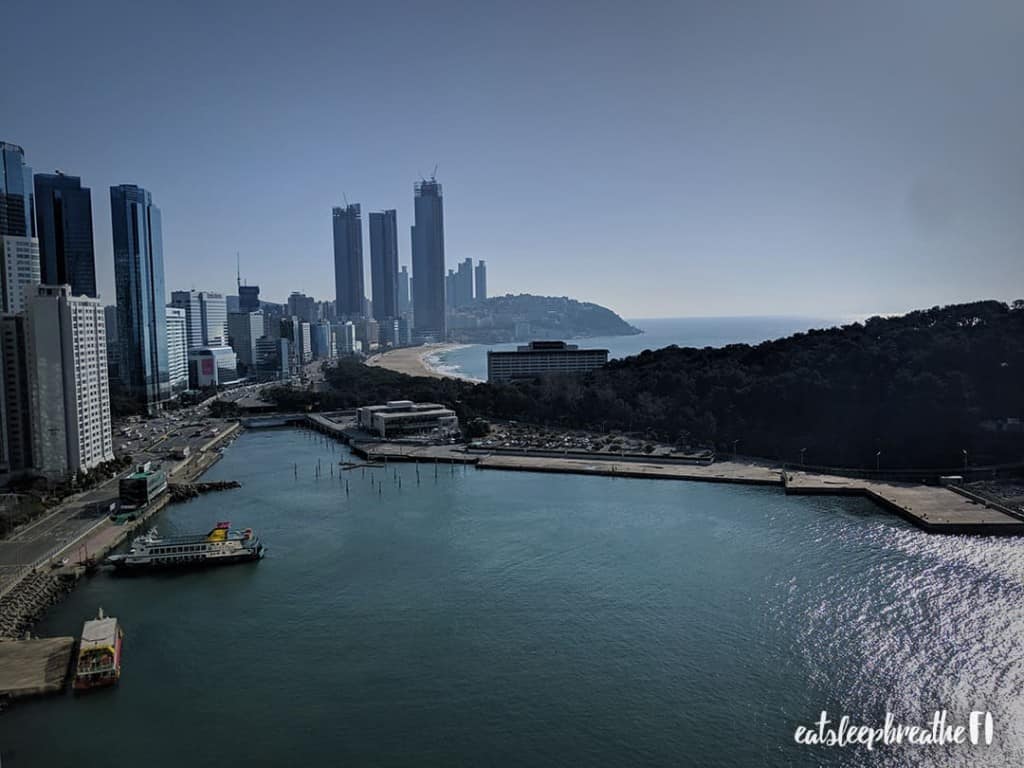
{"points": [[663, 159]]}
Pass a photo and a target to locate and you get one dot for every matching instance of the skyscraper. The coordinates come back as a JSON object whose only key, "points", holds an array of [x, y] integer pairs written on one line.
{"points": [[64, 228], [15, 405], [244, 328], [428, 263], [450, 289], [348, 261], [206, 317], [481, 280], [404, 297], [248, 298], [66, 342], [19, 271], [464, 284], [384, 264], [177, 348], [141, 300], [17, 212]]}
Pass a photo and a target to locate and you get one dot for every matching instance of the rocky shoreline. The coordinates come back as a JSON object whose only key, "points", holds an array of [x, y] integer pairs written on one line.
{"points": [[35, 594]]}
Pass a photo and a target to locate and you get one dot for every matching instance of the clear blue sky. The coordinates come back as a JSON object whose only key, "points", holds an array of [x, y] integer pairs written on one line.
{"points": [[664, 159]]}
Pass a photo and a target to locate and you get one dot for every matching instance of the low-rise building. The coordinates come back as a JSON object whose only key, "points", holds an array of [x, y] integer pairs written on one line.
{"points": [[404, 418], [211, 367], [542, 358], [141, 487]]}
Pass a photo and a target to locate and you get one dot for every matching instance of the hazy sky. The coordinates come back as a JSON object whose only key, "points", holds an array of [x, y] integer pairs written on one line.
{"points": [[664, 159]]}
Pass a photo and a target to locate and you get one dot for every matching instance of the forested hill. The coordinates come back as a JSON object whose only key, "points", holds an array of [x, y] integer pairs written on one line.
{"points": [[523, 317], [920, 388]]}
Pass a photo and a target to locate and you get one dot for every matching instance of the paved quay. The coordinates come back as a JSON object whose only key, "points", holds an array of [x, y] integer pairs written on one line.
{"points": [[32, 667], [932, 508]]}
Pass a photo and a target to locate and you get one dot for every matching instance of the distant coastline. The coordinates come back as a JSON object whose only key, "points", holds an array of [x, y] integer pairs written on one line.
{"points": [[469, 361], [420, 361]]}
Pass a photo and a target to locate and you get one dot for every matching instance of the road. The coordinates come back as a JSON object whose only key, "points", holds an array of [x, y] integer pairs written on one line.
{"points": [[145, 440]]}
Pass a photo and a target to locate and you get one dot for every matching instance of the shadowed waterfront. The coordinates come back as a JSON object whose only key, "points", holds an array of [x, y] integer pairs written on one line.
{"points": [[526, 619]]}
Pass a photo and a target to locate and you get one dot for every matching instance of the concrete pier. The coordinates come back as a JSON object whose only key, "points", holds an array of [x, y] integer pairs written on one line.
{"points": [[32, 667], [932, 508]]}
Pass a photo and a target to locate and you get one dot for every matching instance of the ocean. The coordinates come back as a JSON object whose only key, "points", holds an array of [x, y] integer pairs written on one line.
{"points": [[471, 361], [439, 616]]}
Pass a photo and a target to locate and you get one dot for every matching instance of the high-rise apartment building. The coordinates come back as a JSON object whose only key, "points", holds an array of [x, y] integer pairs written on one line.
{"points": [[450, 290], [348, 261], [17, 209], [430, 322], [15, 403], [66, 343], [206, 317], [384, 264], [19, 271], [464, 284], [64, 229], [141, 298], [481, 280], [177, 348]]}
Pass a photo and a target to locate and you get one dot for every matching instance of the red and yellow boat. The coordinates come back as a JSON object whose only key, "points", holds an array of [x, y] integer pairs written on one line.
{"points": [[99, 653]]}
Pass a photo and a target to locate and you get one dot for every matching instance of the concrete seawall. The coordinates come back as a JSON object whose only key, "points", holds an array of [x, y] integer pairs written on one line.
{"points": [[932, 508]]}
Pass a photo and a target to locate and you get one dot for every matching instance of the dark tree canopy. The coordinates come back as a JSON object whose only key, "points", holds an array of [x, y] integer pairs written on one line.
{"points": [[920, 388]]}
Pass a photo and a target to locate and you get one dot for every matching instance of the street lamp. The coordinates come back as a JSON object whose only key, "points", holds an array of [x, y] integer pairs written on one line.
{"points": [[734, 444], [878, 461], [964, 451]]}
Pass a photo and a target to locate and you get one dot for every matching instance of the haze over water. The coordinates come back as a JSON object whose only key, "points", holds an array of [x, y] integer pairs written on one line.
{"points": [[518, 619], [471, 360]]}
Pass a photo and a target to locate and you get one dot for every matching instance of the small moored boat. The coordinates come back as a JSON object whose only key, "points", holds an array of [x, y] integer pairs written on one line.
{"points": [[99, 653]]}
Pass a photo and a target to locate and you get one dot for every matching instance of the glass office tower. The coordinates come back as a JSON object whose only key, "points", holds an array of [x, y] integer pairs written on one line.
{"points": [[141, 299], [17, 215], [64, 226]]}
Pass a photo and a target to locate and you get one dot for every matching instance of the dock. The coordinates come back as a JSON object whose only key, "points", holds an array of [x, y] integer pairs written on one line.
{"points": [[932, 508], [33, 667]]}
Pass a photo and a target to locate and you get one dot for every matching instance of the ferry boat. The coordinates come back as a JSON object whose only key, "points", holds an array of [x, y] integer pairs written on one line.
{"points": [[220, 546], [99, 653]]}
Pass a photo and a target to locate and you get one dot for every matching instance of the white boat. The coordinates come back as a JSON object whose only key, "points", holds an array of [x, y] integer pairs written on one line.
{"points": [[220, 546]]}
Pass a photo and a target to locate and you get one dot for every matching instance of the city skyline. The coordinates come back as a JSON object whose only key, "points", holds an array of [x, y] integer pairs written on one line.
{"points": [[762, 145]]}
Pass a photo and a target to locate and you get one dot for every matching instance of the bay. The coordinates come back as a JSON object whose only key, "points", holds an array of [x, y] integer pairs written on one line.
{"points": [[479, 617]]}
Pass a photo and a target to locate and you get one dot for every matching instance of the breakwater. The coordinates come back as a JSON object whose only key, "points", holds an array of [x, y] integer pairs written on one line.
{"points": [[21, 607], [185, 491]]}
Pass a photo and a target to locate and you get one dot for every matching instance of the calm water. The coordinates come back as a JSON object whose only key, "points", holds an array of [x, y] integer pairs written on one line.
{"points": [[488, 618], [471, 360]]}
